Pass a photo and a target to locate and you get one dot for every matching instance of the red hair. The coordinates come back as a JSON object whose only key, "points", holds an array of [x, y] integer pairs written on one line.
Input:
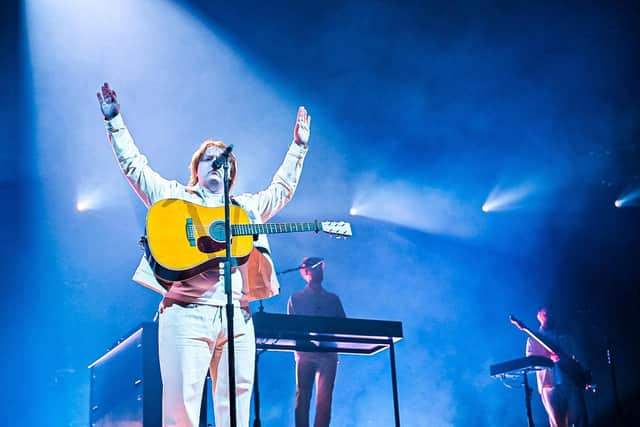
{"points": [[197, 156]]}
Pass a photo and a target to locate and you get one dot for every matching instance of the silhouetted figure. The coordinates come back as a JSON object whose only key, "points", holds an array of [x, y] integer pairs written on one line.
{"points": [[314, 300], [563, 401]]}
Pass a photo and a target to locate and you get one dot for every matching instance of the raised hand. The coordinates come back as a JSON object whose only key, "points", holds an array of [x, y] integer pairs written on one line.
{"points": [[108, 102], [302, 130]]}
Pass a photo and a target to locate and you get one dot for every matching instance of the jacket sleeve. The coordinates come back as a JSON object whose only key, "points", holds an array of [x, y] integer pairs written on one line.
{"points": [[271, 200], [146, 182]]}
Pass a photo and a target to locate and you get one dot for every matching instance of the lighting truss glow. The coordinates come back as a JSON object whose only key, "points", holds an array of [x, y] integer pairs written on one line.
{"points": [[507, 199]]}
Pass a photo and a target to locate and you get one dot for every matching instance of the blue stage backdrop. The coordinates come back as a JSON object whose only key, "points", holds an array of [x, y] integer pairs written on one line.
{"points": [[477, 148]]}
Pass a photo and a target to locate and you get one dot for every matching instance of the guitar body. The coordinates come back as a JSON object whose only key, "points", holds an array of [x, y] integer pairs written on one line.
{"points": [[186, 239]]}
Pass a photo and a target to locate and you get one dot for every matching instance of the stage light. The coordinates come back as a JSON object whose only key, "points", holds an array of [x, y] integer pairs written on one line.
{"points": [[501, 199], [353, 211], [628, 198], [82, 206], [89, 200], [86, 202]]}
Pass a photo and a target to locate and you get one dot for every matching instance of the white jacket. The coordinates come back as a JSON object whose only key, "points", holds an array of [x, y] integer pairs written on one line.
{"points": [[258, 276]]}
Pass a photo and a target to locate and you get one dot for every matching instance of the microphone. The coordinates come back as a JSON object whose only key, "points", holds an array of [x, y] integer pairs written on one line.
{"points": [[219, 161], [314, 265], [300, 267]]}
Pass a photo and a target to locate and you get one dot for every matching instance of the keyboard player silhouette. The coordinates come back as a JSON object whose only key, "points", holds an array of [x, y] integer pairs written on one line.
{"points": [[314, 300]]}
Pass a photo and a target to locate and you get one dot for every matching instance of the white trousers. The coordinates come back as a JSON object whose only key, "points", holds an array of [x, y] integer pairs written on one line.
{"points": [[565, 406], [192, 339]]}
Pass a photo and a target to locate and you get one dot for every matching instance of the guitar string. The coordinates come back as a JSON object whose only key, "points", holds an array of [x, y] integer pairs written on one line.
{"points": [[256, 228], [276, 225]]}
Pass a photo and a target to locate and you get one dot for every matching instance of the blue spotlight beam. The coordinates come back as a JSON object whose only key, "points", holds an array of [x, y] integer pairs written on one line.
{"points": [[628, 199]]}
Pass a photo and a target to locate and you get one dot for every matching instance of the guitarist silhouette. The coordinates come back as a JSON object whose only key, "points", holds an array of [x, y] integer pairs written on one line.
{"points": [[560, 388]]}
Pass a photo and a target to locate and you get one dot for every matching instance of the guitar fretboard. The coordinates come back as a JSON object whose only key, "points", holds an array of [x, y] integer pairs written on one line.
{"points": [[251, 229]]}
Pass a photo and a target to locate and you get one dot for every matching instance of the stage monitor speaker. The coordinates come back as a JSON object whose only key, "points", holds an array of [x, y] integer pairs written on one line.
{"points": [[126, 388]]}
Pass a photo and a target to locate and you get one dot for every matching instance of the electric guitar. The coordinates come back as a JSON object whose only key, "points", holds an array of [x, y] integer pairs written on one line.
{"points": [[580, 376], [185, 239]]}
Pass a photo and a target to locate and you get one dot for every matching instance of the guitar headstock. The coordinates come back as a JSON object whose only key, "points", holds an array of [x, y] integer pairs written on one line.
{"points": [[517, 323], [336, 228]]}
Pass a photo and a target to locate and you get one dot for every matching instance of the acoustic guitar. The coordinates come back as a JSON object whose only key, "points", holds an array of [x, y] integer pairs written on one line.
{"points": [[185, 239]]}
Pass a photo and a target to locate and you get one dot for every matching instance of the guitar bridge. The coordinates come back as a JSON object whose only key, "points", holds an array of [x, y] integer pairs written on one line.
{"points": [[190, 230]]}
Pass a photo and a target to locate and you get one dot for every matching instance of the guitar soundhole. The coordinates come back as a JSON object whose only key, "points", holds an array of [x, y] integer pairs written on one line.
{"points": [[207, 245], [216, 231]]}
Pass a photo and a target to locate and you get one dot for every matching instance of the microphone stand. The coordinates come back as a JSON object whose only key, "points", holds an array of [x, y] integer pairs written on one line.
{"points": [[527, 395], [612, 372], [611, 362], [231, 355], [256, 392]]}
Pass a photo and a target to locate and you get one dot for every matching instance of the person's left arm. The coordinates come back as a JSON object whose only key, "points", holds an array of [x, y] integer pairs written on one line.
{"points": [[271, 200]]}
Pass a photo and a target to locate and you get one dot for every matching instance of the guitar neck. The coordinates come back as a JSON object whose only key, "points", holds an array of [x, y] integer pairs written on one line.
{"points": [[252, 229], [540, 340], [518, 324]]}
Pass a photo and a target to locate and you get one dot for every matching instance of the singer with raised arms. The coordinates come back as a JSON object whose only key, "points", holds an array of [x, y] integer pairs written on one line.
{"points": [[192, 320]]}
